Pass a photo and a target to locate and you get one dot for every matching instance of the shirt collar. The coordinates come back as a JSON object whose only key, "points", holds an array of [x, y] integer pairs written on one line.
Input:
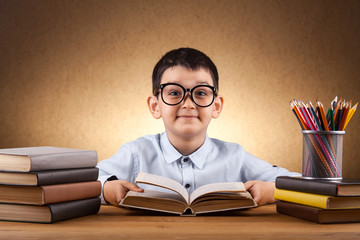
{"points": [[171, 154]]}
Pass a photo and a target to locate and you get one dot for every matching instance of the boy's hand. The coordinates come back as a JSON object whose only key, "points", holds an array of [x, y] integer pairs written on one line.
{"points": [[262, 192], [115, 191]]}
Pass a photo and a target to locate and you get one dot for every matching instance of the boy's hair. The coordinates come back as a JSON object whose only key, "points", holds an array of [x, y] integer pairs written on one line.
{"points": [[186, 57]]}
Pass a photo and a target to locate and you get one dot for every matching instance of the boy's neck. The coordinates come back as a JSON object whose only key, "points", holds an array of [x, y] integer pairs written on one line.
{"points": [[186, 145]]}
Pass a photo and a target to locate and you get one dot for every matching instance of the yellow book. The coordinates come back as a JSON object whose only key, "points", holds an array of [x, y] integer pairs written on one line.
{"points": [[317, 200]]}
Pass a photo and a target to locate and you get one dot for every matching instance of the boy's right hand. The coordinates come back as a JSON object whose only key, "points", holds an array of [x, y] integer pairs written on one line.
{"points": [[115, 191]]}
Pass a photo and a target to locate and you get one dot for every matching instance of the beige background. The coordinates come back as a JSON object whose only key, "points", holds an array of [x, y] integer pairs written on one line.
{"points": [[77, 73]]}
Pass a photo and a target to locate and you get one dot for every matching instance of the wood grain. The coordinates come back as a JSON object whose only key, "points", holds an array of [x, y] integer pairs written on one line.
{"points": [[120, 223]]}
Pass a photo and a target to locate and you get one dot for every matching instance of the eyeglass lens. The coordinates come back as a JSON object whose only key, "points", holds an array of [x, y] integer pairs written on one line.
{"points": [[201, 95]]}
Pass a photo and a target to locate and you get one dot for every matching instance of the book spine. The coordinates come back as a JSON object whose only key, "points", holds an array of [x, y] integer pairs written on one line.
{"points": [[74, 209], [309, 199], [307, 186], [70, 191], [68, 160], [67, 176], [298, 211]]}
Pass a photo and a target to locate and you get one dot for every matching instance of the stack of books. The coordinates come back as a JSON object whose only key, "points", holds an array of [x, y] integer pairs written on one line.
{"points": [[48, 184], [321, 201]]}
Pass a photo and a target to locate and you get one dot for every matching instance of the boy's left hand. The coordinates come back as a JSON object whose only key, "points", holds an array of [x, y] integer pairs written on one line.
{"points": [[262, 192]]}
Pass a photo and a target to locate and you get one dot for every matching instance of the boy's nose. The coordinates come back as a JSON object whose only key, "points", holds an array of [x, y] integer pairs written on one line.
{"points": [[187, 102]]}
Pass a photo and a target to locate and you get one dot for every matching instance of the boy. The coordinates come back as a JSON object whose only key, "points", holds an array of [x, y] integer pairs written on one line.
{"points": [[185, 97]]}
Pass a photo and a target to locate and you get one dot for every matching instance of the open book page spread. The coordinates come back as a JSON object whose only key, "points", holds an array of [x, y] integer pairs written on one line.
{"points": [[212, 197], [162, 182], [217, 187]]}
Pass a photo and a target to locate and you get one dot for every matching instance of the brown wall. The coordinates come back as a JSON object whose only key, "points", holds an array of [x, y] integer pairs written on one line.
{"points": [[77, 73]]}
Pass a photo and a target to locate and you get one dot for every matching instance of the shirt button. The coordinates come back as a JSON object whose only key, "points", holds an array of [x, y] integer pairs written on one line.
{"points": [[186, 159], [187, 185]]}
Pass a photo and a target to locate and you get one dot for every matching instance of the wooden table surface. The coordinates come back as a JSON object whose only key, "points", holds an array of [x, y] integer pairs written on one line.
{"points": [[120, 223]]}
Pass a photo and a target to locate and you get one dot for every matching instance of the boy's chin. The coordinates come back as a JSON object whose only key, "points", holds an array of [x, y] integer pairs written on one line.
{"points": [[191, 132]]}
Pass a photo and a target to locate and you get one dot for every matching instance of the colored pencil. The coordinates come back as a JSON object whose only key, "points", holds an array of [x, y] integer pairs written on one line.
{"points": [[322, 114], [336, 119], [351, 113], [345, 114]]}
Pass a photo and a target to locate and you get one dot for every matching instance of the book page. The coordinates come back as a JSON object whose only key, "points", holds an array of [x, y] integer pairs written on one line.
{"points": [[171, 202], [162, 182], [156, 195], [217, 187]]}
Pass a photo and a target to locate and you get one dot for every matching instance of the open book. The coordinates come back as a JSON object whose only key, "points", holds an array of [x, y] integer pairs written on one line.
{"points": [[208, 198]]}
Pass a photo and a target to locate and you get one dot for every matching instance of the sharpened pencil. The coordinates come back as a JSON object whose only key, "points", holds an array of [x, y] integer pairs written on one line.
{"points": [[313, 118], [345, 115], [352, 111], [316, 119], [322, 115], [299, 115], [322, 158]]}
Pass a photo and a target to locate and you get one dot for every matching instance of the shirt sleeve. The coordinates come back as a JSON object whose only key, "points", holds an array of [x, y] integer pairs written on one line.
{"points": [[119, 166], [256, 169]]}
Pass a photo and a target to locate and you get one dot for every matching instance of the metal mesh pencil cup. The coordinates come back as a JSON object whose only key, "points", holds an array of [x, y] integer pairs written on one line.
{"points": [[322, 154]]}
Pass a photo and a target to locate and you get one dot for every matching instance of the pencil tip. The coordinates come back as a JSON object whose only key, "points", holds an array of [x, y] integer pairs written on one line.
{"points": [[355, 106]]}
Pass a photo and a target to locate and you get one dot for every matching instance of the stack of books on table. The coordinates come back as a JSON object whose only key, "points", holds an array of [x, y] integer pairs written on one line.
{"points": [[48, 184], [321, 201]]}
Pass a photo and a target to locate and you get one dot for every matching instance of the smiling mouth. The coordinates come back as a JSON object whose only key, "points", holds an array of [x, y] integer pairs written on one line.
{"points": [[187, 117]]}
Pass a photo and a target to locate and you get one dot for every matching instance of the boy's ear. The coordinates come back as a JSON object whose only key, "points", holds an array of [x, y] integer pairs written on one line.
{"points": [[153, 104], [218, 105]]}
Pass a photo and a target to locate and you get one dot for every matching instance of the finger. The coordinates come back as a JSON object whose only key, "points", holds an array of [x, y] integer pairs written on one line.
{"points": [[257, 197], [118, 192], [131, 187], [249, 184], [120, 195], [255, 192]]}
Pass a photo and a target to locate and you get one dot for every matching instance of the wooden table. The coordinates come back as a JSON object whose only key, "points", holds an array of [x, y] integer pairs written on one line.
{"points": [[119, 223]]}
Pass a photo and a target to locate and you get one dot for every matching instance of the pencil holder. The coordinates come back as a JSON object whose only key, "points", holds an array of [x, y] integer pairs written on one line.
{"points": [[322, 154]]}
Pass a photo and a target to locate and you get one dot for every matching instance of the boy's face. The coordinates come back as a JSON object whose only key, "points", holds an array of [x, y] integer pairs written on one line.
{"points": [[185, 120]]}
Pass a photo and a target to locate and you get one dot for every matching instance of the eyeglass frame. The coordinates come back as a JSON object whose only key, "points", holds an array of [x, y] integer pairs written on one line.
{"points": [[185, 90]]}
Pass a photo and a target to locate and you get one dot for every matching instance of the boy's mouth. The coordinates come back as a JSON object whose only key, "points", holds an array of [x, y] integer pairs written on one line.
{"points": [[187, 116]]}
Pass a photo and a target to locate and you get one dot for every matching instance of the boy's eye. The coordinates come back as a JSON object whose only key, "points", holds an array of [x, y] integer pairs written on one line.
{"points": [[174, 93], [200, 93]]}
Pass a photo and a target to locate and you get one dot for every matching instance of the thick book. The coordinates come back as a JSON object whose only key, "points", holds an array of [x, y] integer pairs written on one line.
{"points": [[48, 194], [49, 213], [32, 159], [343, 187], [317, 200], [49, 177], [208, 198], [318, 215]]}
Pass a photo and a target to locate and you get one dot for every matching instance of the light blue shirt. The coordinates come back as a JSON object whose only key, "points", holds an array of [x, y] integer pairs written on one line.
{"points": [[215, 161]]}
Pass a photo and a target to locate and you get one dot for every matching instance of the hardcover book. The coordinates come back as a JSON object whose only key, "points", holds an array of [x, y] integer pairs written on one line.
{"points": [[49, 177], [49, 194], [49, 213], [31, 159], [343, 187], [208, 198], [317, 200], [318, 215]]}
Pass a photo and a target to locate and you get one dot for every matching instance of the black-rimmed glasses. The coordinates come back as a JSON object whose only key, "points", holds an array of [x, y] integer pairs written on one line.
{"points": [[173, 94]]}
